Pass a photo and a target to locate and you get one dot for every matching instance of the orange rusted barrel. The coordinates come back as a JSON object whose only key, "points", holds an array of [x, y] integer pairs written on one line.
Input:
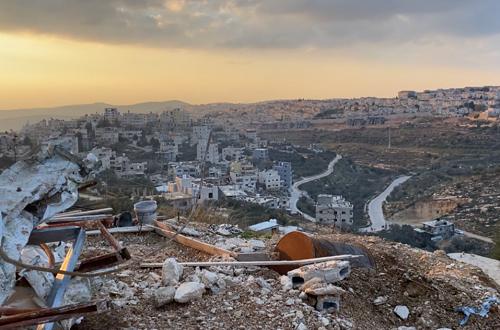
{"points": [[298, 246]]}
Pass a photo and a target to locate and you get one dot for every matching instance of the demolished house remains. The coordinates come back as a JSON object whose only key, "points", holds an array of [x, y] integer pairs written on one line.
{"points": [[177, 273]]}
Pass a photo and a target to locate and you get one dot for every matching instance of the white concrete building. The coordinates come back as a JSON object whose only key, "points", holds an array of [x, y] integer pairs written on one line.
{"points": [[271, 180], [111, 114], [334, 209], [200, 133], [213, 152], [233, 154]]}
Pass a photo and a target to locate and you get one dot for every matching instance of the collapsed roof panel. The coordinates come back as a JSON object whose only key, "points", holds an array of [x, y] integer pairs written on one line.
{"points": [[32, 191]]}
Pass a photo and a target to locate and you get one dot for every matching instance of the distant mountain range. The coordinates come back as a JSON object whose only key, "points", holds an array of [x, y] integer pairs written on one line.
{"points": [[15, 119]]}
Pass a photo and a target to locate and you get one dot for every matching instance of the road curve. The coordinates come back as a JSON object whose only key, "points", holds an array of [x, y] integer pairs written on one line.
{"points": [[375, 207], [296, 193]]}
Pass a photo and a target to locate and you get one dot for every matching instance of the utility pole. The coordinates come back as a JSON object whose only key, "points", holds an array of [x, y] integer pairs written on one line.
{"points": [[389, 137]]}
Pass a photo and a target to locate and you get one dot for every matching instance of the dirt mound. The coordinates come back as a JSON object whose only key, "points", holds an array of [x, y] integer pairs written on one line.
{"points": [[430, 285]]}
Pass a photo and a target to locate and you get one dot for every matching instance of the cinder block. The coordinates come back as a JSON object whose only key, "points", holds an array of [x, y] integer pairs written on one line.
{"points": [[326, 302], [326, 272]]}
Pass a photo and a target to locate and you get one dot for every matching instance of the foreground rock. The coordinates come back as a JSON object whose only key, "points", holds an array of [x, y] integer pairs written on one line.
{"points": [[189, 291], [164, 296], [172, 272]]}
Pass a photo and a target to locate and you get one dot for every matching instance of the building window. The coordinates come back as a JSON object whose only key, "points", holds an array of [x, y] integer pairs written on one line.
{"points": [[210, 195]]}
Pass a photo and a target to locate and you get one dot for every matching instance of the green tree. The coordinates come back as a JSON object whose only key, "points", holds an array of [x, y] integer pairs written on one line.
{"points": [[155, 143], [88, 127], [135, 137], [103, 123], [495, 252], [27, 142], [480, 107]]}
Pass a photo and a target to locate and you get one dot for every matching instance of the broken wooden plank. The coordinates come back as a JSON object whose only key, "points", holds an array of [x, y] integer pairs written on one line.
{"points": [[257, 256], [79, 213], [254, 263], [165, 230], [80, 218], [123, 230], [87, 224]]}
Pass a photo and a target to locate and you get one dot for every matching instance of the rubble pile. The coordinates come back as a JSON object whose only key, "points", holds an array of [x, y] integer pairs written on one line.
{"points": [[411, 289]]}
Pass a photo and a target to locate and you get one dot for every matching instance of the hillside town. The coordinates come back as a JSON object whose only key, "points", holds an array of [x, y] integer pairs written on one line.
{"points": [[226, 196], [169, 147]]}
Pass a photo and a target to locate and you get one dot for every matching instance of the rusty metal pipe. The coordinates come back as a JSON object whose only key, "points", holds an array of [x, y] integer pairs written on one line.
{"points": [[298, 246]]}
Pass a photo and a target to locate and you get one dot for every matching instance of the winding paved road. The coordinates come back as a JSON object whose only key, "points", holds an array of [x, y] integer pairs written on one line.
{"points": [[296, 193], [377, 216], [375, 207]]}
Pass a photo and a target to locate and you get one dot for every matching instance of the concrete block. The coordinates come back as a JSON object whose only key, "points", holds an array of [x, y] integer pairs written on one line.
{"points": [[326, 302], [327, 272]]}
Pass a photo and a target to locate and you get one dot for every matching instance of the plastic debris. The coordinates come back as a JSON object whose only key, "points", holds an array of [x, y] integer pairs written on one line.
{"points": [[485, 308]]}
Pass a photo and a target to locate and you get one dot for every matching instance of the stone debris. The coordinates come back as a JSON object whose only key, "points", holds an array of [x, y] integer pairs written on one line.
{"points": [[229, 297], [189, 291], [402, 312], [172, 272], [164, 296], [286, 283], [225, 228], [380, 301]]}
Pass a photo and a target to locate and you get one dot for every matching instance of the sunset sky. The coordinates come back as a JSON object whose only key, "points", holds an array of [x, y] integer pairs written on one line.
{"points": [[60, 52]]}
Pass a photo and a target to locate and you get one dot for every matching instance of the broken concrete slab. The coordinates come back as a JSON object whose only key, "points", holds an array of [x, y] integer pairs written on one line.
{"points": [[189, 291], [327, 272], [171, 272], [256, 244], [321, 289], [32, 191]]}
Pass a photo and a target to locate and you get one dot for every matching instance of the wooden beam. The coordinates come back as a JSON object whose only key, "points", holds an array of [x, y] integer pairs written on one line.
{"points": [[123, 230], [255, 263], [80, 218], [165, 230], [79, 212]]}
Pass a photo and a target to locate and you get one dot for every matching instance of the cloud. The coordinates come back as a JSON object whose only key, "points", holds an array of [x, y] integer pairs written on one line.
{"points": [[233, 62], [253, 24]]}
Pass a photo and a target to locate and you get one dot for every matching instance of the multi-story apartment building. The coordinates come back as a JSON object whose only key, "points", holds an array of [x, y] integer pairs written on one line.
{"points": [[271, 180], [200, 133], [233, 154], [111, 114], [213, 152], [284, 170], [334, 209]]}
